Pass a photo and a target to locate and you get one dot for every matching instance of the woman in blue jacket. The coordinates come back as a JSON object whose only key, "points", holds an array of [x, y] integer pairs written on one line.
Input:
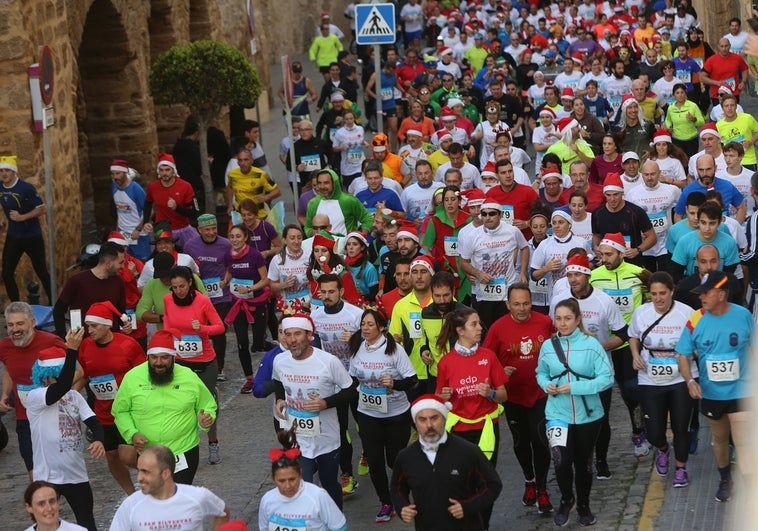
{"points": [[572, 369]]}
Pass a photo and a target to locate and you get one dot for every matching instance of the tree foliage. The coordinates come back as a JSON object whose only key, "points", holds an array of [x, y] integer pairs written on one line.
{"points": [[205, 76]]}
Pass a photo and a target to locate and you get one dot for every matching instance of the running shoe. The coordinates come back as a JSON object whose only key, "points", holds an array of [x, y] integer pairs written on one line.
{"points": [[681, 478], [561, 518], [662, 462], [214, 457], [530, 494], [603, 472], [221, 376], [385, 514], [725, 490], [247, 388], [348, 484], [543, 502], [641, 446], [693, 440], [585, 516], [363, 469]]}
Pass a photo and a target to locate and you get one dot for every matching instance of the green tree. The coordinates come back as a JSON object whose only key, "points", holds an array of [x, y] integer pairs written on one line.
{"points": [[205, 76]]}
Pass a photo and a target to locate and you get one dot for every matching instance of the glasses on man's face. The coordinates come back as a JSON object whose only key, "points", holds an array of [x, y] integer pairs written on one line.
{"points": [[489, 213], [424, 92]]}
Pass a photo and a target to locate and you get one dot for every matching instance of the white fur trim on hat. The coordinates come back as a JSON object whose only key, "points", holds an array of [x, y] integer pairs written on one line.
{"points": [[408, 234], [98, 320], [423, 262], [414, 132], [120, 168], [297, 322], [579, 269], [614, 244], [492, 206], [430, 402]]}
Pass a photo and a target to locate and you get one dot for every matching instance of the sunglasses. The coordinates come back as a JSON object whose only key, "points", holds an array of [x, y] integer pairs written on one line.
{"points": [[489, 213]]}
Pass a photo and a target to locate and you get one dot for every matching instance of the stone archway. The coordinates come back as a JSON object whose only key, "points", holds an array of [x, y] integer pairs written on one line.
{"points": [[113, 111]]}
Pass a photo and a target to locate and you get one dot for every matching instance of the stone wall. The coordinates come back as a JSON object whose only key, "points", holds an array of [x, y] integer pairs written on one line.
{"points": [[102, 52], [714, 17]]}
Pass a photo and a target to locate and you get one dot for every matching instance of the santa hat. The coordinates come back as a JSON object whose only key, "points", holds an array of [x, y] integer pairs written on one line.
{"points": [[445, 50], [474, 196], [358, 236], [9, 162], [162, 342], [550, 173], [430, 401], [491, 205], [547, 111], [489, 169], [566, 124], [442, 135], [627, 100], [102, 313], [48, 364], [324, 15], [446, 113], [661, 135], [613, 183], [577, 57], [414, 132], [726, 89], [408, 231], [117, 238], [120, 165], [424, 261], [166, 159], [452, 102], [298, 320], [615, 240], [579, 263], [567, 93], [710, 129], [324, 239]]}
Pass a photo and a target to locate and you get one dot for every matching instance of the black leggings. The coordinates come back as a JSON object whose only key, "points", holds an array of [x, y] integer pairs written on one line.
{"points": [[243, 343], [604, 433], [13, 251], [573, 462], [79, 498], [490, 311], [527, 425], [346, 445], [660, 402], [382, 439], [626, 378], [187, 475]]}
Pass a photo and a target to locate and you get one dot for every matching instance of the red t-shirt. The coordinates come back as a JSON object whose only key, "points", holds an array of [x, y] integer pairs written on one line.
{"points": [[181, 192], [113, 359], [18, 362], [464, 374], [387, 301], [521, 197], [726, 69], [594, 193], [518, 345]]}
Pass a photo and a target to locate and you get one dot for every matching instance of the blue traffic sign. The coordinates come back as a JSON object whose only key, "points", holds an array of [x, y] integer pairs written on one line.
{"points": [[375, 23]]}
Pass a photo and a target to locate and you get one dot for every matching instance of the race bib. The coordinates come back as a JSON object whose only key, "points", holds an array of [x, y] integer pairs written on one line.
{"points": [[372, 399], [493, 291], [213, 287], [279, 523], [451, 245], [132, 314], [508, 215], [615, 102], [699, 61], [624, 299], [180, 463], [662, 370], [104, 387], [387, 93], [731, 83], [188, 346], [659, 220], [239, 287], [557, 432], [539, 286], [355, 155], [312, 162], [414, 322], [723, 367], [332, 132], [22, 391], [308, 423], [684, 76]]}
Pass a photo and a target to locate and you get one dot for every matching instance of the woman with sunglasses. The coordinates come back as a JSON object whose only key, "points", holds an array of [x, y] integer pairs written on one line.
{"points": [[295, 503]]}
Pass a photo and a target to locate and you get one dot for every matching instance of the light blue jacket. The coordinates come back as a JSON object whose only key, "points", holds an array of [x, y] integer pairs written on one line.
{"points": [[585, 355]]}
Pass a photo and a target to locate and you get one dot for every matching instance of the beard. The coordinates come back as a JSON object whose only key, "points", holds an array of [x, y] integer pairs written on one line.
{"points": [[161, 378], [25, 339]]}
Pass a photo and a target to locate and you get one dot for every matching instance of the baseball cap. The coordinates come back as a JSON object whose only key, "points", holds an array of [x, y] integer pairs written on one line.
{"points": [[712, 280]]}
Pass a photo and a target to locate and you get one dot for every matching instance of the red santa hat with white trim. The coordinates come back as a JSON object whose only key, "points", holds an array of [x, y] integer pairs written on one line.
{"points": [[628, 100], [615, 240], [661, 135], [579, 263], [103, 313], [166, 159], [429, 401], [612, 183], [709, 129], [566, 123], [162, 342], [120, 165], [117, 238]]}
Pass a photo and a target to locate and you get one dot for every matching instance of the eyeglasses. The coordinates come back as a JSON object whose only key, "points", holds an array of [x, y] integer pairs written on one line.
{"points": [[489, 213], [424, 92]]}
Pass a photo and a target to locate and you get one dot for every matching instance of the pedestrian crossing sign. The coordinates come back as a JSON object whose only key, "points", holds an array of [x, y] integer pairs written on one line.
{"points": [[375, 23]]}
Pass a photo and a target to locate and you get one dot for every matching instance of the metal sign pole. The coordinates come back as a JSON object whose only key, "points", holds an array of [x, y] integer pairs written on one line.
{"points": [[378, 87], [50, 212], [288, 95]]}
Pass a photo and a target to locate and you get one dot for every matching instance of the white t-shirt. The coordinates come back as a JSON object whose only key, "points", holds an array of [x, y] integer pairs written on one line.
{"points": [[600, 315], [181, 260], [564, 80], [551, 249], [57, 440], [352, 158], [657, 203], [614, 90], [630, 183], [742, 183], [329, 328], [317, 376], [692, 164], [737, 42], [469, 173], [368, 365], [661, 341], [310, 508], [664, 90], [62, 526], [602, 76], [359, 184], [717, 113], [416, 200], [493, 252], [671, 168], [583, 229], [186, 510], [278, 272], [487, 131], [413, 17]]}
